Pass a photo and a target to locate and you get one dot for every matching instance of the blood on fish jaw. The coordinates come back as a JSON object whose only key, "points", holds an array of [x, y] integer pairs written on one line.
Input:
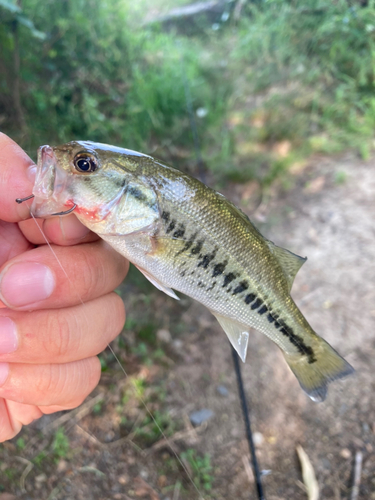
{"points": [[92, 215]]}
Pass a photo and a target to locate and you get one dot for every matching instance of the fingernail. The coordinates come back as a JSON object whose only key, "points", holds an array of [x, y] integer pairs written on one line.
{"points": [[8, 336], [26, 283], [4, 372], [72, 229]]}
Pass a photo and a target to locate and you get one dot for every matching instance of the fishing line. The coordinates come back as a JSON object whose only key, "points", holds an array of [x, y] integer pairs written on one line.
{"points": [[123, 370], [241, 390]]}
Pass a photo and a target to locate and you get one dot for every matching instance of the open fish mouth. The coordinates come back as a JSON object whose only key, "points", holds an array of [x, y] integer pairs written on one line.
{"points": [[50, 193]]}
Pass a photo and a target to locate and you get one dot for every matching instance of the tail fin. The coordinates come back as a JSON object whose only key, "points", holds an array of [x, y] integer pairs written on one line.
{"points": [[314, 377]]}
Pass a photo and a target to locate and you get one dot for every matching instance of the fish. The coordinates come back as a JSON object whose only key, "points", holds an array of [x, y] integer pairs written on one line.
{"points": [[186, 237]]}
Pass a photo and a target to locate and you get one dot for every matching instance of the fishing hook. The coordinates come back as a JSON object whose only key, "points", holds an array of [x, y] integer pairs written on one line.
{"points": [[66, 211], [21, 200]]}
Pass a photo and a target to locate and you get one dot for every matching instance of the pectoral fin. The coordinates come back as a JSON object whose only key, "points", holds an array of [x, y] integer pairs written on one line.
{"points": [[159, 285], [237, 333], [290, 262]]}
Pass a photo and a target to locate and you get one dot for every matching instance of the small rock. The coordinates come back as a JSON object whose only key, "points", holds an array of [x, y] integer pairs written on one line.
{"points": [[222, 390], [326, 463], [200, 416], [41, 478], [109, 436], [62, 466], [177, 345], [345, 453], [365, 427], [144, 474], [123, 479], [164, 335], [162, 481], [258, 438]]}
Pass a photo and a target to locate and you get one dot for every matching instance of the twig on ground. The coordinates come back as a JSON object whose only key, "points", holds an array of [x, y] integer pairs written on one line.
{"points": [[89, 436], [190, 433], [25, 473], [308, 474], [176, 491], [248, 469], [77, 414], [357, 475]]}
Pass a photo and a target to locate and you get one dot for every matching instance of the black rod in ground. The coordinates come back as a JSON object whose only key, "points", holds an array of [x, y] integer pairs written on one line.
{"points": [[246, 416]]}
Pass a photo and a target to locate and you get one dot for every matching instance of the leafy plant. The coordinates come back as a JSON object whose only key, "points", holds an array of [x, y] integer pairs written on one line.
{"points": [[60, 444], [201, 468]]}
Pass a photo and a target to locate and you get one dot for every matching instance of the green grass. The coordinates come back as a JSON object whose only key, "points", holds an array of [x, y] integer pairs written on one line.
{"points": [[288, 80], [306, 71], [201, 469], [60, 445]]}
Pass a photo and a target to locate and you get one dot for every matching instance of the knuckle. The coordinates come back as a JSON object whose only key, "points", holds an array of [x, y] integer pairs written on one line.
{"points": [[90, 376], [58, 328], [87, 272], [45, 382]]}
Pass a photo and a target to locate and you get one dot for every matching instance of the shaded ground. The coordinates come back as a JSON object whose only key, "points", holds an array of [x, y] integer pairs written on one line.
{"points": [[109, 448]]}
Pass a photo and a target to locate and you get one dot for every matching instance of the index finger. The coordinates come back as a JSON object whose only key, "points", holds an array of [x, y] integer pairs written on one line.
{"points": [[17, 173]]}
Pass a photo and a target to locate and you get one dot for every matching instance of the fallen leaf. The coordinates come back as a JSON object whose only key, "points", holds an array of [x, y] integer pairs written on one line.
{"points": [[308, 475], [142, 489]]}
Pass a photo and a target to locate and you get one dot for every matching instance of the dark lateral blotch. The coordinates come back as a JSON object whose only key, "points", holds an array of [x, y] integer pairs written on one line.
{"points": [[270, 318], [241, 287], [298, 342], [257, 304], [219, 268], [197, 248], [165, 216], [250, 297], [228, 279], [206, 260], [263, 309], [171, 226], [180, 232]]}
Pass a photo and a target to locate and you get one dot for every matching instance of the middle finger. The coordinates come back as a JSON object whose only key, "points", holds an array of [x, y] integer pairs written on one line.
{"points": [[41, 279]]}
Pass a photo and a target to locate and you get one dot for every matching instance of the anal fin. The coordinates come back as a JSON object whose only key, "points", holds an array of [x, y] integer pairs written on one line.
{"points": [[237, 333], [159, 285]]}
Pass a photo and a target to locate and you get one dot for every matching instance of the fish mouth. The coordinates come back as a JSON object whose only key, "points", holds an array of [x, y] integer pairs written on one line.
{"points": [[50, 186]]}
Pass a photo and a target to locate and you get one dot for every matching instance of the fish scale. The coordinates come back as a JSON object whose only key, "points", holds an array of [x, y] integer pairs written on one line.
{"points": [[184, 236]]}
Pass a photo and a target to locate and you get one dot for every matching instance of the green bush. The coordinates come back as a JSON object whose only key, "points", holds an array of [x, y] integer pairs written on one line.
{"points": [[94, 76], [290, 78]]}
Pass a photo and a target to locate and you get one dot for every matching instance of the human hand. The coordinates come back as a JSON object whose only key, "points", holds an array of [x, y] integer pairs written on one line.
{"points": [[51, 326]]}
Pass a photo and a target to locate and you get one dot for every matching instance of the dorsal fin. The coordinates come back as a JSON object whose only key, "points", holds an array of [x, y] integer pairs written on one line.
{"points": [[290, 262], [237, 333]]}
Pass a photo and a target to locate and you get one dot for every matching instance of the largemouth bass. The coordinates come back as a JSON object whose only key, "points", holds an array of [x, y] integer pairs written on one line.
{"points": [[184, 236]]}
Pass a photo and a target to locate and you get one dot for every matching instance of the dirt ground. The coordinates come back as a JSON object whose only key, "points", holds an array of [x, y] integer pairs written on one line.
{"points": [[328, 215]]}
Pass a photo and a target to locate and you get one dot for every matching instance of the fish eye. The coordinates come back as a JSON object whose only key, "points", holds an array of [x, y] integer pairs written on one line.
{"points": [[85, 162]]}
